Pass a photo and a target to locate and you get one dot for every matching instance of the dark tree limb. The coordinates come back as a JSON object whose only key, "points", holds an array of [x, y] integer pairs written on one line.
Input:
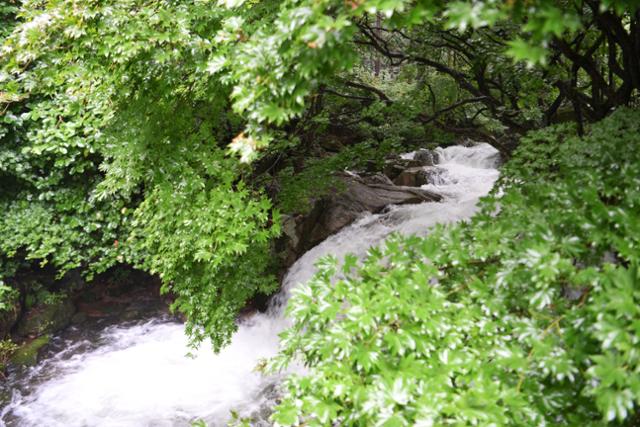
{"points": [[365, 87], [349, 96], [426, 120]]}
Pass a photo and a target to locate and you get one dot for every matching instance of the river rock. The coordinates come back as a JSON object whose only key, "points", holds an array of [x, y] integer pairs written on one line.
{"points": [[438, 176], [416, 177], [377, 178], [331, 213], [495, 159], [412, 177], [287, 244], [394, 167], [425, 157], [46, 318]]}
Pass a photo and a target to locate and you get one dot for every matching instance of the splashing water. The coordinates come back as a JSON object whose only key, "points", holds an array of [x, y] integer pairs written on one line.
{"points": [[137, 374]]}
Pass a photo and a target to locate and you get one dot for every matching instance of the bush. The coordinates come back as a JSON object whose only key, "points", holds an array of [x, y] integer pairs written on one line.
{"points": [[528, 316]]}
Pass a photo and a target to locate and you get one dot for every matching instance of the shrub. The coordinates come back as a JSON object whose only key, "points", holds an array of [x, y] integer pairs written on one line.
{"points": [[528, 316]]}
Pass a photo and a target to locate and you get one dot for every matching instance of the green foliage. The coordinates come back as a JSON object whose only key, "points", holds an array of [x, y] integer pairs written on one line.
{"points": [[118, 118], [7, 349], [114, 150], [617, 370], [278, 63], [527, 315], [7, 296], [210, 247], [38, 294]]}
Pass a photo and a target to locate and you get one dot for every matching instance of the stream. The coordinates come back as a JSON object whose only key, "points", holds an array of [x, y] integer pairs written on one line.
{"points": [[139, 373]]}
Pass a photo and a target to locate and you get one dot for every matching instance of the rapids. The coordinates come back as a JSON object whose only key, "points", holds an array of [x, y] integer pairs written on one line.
{"points": [[138, 373]]}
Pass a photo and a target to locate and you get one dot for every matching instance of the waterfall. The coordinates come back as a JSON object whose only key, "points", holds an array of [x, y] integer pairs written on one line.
{"points": [[137, 374]]}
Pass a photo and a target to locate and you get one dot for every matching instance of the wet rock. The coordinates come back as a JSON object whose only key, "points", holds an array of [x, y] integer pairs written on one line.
{"points": [[425, 157], [27, 353], [412, 177], [289, 229], [287, 244], [377, 178], [436, 175], [331, 213], [495, 159], [131, 314], [46, 318], [102, 308], [418, 176], [394, 167]]}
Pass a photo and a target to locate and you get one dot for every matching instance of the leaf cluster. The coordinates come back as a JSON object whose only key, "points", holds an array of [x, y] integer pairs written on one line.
{"points": [[526, 315]]}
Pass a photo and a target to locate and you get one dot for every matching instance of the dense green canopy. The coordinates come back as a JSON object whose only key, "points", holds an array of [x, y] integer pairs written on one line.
{"points": [[141, 132]]}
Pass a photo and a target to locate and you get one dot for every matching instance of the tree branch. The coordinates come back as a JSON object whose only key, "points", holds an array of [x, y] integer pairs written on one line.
{"points": [[426, 120]]}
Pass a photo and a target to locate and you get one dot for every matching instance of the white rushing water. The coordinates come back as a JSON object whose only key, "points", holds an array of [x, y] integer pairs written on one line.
{"points": [[138, 374]]}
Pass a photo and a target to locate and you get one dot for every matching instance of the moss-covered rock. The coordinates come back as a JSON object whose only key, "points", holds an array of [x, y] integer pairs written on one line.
{"points": [[46, 318], [27, 353]]}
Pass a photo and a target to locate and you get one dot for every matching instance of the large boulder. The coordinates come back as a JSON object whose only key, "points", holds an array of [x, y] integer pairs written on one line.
{"points": [[331, 213], [412, 177], [46, 318], [425, 157], [287, 244], [416, 177], [377, 178], [395, 166]]}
